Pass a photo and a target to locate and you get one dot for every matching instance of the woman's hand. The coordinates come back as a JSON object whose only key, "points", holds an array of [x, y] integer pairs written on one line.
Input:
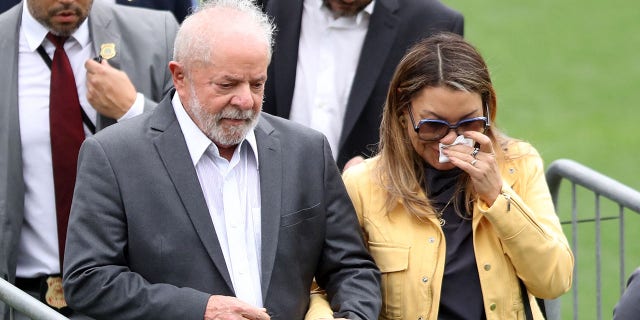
{"points": [[481, 165]]}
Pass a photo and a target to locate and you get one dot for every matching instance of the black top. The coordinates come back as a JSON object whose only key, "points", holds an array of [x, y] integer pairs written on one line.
{"points": [[180, 8], [461, 296]]}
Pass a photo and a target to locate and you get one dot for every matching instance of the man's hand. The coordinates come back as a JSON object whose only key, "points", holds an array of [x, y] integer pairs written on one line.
{"points": [[109, 90], [231, 308]]}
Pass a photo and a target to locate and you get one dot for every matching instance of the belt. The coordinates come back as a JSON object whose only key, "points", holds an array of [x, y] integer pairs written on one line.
{"points": [[49, 290], [30, 284]]}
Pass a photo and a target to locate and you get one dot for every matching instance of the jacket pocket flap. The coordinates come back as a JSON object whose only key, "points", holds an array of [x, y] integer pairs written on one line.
{"points": [[390, 258]]}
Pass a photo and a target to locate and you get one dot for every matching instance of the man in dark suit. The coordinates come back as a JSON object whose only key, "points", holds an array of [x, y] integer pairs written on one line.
{"points": [[340, 88], [179, 8], [206, 207], [135, 45]]}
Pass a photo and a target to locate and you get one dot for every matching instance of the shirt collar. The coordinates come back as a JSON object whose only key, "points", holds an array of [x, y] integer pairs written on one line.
{"points": [[368, 10], [197, 141], [35, 32]]}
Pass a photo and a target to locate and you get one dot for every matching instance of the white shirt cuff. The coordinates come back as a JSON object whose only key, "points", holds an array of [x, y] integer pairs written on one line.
{"points": [[136, 109]]}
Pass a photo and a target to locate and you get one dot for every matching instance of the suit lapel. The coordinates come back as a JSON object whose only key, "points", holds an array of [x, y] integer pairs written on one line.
{"points": [[171, 146], [270, 157], [285, 61], [169, 142], [383, 27]]}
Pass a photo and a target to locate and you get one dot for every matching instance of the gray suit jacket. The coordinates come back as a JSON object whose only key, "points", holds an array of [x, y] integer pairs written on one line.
{"points": [[394, 26], [144, 44], [143, 246]]}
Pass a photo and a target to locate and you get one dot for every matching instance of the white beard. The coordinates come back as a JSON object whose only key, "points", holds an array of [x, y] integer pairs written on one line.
{"points": [[220, 134]]}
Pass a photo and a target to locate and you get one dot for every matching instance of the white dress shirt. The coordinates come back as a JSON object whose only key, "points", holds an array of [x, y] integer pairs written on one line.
{"points": [[328, 54], [232, 192], [38, 248]]}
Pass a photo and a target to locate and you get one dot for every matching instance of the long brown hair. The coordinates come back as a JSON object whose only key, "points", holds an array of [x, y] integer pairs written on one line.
{"points": [[442, 60]]}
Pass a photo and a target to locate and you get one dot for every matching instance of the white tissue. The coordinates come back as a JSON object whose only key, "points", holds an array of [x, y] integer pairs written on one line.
{"points": [[459, 140]]}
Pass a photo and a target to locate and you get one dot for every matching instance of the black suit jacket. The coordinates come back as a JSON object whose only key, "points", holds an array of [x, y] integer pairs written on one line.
{"points": [[180, 8], [394, 26], [143, 245]]}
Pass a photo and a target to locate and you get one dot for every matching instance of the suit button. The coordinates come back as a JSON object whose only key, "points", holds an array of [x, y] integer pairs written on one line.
{"points": [[487, 267], [492, 306], [425, 279]]}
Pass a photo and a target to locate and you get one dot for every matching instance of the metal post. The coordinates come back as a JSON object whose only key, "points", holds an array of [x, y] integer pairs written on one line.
{"points": [[26, 304]]}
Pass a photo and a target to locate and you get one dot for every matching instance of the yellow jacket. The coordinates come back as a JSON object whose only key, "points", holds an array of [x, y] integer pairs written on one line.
{"points": [[518, 236]]}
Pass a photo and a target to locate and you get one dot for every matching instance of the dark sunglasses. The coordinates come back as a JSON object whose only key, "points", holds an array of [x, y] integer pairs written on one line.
{"points": [[434, 129]]}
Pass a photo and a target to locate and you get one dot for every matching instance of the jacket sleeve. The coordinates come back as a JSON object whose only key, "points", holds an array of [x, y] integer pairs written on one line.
{"points": [[529, 230], [346, 271], [320, 307]]}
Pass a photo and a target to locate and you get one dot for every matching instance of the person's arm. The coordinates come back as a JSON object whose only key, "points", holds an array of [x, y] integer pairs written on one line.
{"points": [[346, 270], [112, 92], [319, 308], [109, 90], [529, 230]]}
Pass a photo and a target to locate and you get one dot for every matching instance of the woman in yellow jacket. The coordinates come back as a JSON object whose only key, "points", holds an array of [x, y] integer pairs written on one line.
{"points": [[458, 233]]}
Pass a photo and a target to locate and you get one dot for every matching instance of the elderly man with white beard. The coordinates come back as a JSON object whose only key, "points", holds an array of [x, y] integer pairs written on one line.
{"points": [[206, 208]]}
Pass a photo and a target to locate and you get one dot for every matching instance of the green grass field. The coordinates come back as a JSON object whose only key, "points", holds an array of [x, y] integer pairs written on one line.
{"points": [[567, 76]]}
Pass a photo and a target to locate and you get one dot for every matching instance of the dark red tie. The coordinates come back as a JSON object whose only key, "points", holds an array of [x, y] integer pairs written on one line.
{"points": [[67, 134]]}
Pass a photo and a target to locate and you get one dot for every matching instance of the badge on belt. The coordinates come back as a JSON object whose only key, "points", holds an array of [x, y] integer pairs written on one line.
{"points": [[54, 295]]}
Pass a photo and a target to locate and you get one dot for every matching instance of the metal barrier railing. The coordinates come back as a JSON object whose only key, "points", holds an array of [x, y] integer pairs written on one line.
{"points": [[601, 186], [26, 304]]}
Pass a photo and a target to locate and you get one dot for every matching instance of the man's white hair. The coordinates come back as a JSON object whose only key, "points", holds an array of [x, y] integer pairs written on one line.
{"points": [[193, 41]]}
